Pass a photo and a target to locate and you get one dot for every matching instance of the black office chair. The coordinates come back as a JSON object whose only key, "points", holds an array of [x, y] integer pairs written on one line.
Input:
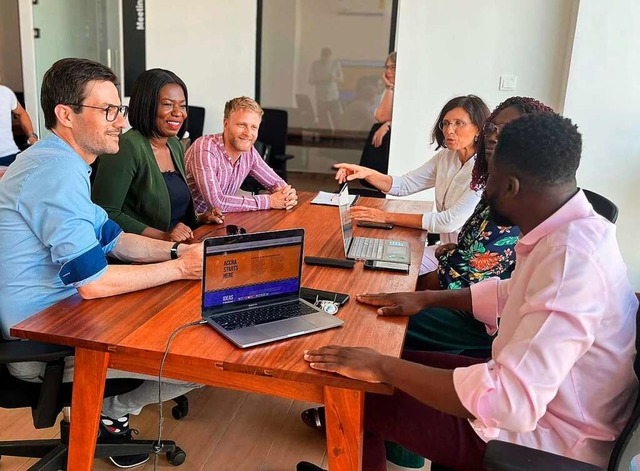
{"points": [[601, 205], [502, 456], [48, 398], [273, 132], [194, 123], [250, 184]]}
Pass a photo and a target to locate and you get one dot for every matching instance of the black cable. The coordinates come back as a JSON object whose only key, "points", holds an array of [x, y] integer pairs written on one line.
{"points": [[158, 446]]}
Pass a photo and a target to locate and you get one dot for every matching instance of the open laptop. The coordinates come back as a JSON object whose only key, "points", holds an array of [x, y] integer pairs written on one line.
{"points": [[368, 248], [251, 288]]}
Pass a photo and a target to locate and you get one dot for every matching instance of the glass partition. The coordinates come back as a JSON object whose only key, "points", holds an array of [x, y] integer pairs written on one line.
{"points": [[323, 62]]}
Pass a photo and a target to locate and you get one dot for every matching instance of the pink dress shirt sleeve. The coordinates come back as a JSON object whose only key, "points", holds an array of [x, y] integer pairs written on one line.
{"points": [[548, 332], [488, 298]]}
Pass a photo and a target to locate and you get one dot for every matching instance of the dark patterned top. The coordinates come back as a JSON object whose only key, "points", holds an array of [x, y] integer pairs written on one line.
{"points": [[484, 250]]}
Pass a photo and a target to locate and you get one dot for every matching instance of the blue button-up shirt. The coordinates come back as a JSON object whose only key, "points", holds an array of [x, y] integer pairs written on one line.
{"points": [[53, 239]]}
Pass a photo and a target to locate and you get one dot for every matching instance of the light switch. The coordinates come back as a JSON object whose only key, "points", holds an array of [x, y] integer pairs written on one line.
{"points": [[508, 82]]}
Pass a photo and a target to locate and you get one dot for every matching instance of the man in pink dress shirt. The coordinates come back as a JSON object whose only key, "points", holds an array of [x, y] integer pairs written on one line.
{"points": [[217, 165], [561, 374]]}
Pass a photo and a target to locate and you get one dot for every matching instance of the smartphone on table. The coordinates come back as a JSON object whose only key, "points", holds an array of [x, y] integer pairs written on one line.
{"points": [[375, 225], [390, 266]]}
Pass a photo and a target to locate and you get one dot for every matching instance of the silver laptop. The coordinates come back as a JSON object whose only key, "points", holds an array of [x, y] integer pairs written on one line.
{"points": [[251, 288], [368, 248]]}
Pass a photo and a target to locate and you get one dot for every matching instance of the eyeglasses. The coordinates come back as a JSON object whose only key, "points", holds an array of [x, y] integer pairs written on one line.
{"points": [[111, 111], [232, 229], [456, 123], [390, 67], [489, 128]]}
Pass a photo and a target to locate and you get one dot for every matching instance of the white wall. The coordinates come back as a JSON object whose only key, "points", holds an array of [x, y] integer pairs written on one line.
{"points": [[603, 99], [459, 47], [210, 45], [10, 57]]}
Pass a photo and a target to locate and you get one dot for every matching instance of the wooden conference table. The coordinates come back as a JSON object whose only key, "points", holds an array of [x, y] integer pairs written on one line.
{"points": [[130, 332]]}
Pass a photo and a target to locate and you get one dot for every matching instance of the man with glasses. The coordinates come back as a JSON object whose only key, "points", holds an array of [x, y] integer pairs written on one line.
{"points": [[54, 240]]}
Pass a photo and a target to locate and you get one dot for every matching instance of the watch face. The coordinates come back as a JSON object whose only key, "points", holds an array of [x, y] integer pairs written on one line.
{"points": [[330, 307]]}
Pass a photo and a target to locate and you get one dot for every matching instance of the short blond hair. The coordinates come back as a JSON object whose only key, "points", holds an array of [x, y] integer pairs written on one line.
{"points": [[243, 103]]}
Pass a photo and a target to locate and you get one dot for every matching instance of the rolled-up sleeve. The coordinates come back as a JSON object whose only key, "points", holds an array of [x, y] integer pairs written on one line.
{"points": [[72, 229], [488, 298], [551, 333]]}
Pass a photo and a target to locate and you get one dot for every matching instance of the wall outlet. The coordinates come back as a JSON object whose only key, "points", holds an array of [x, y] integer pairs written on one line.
{"points": [[508, 82]]}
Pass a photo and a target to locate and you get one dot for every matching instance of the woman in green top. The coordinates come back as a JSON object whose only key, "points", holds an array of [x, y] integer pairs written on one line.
{"points": [[143, 187]]}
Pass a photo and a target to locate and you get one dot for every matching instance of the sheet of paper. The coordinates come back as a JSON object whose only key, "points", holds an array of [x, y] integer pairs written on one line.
{"points": [[330, 199]]}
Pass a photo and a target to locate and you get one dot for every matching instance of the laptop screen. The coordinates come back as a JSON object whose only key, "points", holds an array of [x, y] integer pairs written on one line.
{"points": [[246, 269], [345, 217]]}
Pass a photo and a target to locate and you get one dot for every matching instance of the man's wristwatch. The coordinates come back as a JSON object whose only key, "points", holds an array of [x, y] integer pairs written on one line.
{"points": [[174, 251], [32, 134]]}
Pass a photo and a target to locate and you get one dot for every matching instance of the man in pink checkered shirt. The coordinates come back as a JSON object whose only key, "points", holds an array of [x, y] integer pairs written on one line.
{"points": [[217, 164]]}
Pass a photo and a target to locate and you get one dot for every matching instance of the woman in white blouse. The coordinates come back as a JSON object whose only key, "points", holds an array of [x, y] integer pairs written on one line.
{"points": [[449, 171]]}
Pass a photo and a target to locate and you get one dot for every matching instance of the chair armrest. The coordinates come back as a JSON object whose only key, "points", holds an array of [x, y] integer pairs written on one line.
{"points": [[21, 351], [503, 456], [281, 157]]}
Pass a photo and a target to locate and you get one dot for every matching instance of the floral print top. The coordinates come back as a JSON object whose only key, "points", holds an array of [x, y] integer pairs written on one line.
{"points": [[484, 250]]}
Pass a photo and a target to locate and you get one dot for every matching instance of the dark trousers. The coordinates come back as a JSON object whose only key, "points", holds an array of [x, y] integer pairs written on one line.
{"points": [[442, 438]]}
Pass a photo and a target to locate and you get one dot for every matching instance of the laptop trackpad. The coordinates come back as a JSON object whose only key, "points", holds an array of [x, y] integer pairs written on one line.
{"points": [[321, 319], [284, 327]]}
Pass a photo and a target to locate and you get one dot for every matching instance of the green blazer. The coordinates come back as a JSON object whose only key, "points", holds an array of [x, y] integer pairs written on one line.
{"points": [[131, 188]]}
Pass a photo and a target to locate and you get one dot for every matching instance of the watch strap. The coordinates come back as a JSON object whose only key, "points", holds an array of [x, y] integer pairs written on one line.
{"points": [[174, 251]]}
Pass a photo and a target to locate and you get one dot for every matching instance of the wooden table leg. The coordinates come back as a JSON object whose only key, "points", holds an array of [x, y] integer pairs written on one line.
{"points": [[345, 428], [88, 388]]}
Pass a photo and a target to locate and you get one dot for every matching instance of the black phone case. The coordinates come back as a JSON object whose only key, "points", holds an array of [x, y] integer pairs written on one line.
{"points": [[310, 294], [402, 267], [330, 262], [374, 225]]}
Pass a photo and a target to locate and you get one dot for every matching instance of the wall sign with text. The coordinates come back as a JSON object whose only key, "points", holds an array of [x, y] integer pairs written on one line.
{"points": [[133, 29]]}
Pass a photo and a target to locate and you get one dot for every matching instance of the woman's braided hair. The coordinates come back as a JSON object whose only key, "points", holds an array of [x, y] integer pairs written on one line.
{"points": [[526, 106]]}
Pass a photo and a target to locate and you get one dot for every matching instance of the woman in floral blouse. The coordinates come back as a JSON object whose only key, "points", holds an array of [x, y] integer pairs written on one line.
{"points": [[484, 249]]}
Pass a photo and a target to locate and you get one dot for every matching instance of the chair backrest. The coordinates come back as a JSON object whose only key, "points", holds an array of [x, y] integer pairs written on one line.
{"points": [[195, 122], [601, 205], [627, 446], [273, 130], [264, 150], [250, 184]]}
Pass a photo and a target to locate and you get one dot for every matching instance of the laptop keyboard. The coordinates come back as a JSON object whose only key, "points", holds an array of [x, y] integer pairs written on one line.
{"points": [[262, 315], [366, 248]]}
